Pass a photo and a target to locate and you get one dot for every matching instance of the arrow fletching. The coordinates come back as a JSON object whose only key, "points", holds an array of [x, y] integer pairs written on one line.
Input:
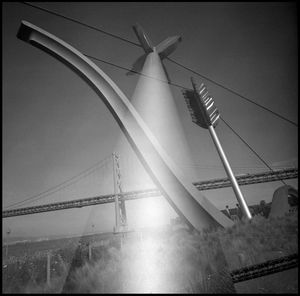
{"points": [[201, 106]]}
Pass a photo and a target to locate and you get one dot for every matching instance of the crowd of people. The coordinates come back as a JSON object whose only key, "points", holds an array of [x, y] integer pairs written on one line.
{"points": [[236, 213]]}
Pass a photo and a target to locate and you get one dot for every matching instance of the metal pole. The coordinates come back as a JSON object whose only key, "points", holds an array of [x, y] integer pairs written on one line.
{"points": [[121, 242], [90, 251], [7, 232], [117, 210], [122, 208], [230, 174], [48, 268]]}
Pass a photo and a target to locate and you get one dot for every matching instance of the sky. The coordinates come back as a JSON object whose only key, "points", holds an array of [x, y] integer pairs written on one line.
{"points": [[55, 126]]}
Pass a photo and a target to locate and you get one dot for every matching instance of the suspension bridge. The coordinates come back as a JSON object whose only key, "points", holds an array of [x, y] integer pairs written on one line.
{"points": [[246, 179]]}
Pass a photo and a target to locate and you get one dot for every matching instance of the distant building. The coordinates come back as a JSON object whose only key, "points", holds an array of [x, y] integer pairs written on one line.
{"points": [[285, 200]]}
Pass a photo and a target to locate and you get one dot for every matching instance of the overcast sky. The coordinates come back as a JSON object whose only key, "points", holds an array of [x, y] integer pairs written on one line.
{"points": [[54, 126]]}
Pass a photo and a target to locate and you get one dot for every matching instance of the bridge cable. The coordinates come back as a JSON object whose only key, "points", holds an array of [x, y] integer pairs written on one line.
{"points": [[65, 183], [261, 159], [171, 60], [38, 196]]}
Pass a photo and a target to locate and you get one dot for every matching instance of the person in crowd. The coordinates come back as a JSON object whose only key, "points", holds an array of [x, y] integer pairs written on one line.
{"points": [[239, 211], [227, 212], [263, 208]]}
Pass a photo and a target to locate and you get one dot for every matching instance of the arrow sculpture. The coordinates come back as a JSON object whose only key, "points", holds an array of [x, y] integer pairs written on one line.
{"points": [[205, 114]]}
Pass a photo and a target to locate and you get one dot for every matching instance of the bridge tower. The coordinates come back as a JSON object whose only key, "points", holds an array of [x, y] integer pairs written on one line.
{"points": [[120, 210]]}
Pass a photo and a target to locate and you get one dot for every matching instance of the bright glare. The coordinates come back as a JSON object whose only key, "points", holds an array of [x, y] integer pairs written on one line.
{"points": [[152, 213], [155, 103], [144, 271]]}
